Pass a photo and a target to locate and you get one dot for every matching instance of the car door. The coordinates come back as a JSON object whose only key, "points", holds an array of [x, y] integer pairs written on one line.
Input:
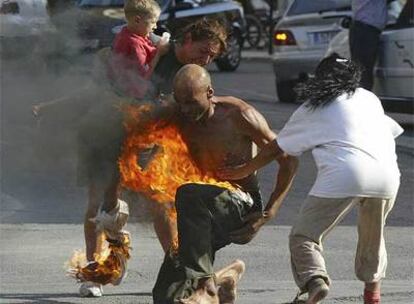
{"points": [[395, 67]]}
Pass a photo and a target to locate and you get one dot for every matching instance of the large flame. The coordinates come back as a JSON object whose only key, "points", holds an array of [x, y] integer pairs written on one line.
{"points": [[167, 166], [170, 164]]}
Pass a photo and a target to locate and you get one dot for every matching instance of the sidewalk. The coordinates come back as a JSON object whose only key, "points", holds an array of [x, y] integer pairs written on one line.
{"points": [[33, 255], [404, 142]]}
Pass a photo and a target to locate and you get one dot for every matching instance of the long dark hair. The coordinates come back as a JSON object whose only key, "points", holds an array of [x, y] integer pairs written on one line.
{"points": [[334, 76]]}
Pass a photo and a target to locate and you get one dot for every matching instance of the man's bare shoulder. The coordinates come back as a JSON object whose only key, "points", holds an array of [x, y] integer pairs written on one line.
{"points": [[247, 119], [236, 105], [238, 108]]}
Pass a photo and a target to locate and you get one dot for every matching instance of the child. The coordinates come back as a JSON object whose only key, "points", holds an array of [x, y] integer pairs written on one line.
{"points": [[134, 55]]}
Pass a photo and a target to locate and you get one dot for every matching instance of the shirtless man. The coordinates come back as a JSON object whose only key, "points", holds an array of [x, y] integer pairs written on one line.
{"points": [[219, 131]]}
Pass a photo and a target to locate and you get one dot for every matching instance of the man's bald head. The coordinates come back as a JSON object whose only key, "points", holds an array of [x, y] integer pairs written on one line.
{"points": [[193, 91], [191, 78]]}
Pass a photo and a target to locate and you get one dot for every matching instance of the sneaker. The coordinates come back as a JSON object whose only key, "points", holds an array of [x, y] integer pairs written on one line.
{"points": [[90, 289], [317, 291]]}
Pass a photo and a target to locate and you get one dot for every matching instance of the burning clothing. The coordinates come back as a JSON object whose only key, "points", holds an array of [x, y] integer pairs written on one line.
{"points": [[206, 214], [110, 265]]}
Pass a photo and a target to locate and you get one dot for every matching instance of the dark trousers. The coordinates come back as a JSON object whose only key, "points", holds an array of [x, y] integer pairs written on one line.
{"points": [[364, 46], [206, 214]]}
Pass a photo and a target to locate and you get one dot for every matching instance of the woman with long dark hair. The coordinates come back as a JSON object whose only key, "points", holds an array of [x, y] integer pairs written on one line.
{"points": [[352, 142]]}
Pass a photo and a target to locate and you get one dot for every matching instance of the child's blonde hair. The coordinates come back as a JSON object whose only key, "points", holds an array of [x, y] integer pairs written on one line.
{"points": [[144, 8]]}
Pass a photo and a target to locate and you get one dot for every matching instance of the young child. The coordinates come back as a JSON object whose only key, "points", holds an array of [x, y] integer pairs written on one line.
{"points": [[134, 56]]}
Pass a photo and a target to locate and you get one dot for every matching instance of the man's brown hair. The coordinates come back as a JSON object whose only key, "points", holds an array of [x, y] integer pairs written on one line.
{"points": [[211, 29]]}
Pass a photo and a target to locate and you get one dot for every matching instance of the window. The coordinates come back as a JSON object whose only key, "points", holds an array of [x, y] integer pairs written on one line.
{"points": [[299, 7]]}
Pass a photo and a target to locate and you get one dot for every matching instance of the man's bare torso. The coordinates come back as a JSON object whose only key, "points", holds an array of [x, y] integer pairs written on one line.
{"points": [[220, 140]]}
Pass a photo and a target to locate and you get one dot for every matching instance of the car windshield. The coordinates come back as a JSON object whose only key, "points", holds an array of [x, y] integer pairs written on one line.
{"points": [[100, 2], [299, 7]]}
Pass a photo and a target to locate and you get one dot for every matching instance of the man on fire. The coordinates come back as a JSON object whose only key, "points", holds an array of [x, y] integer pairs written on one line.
{"points": [[219, 131]]}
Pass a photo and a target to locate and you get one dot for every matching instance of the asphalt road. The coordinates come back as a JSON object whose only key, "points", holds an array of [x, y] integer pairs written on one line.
{"points": [[42, 208]]}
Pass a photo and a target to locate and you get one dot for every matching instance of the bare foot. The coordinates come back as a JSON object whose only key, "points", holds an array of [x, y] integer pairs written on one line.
{"points": [[205, 294], [227, 279]]}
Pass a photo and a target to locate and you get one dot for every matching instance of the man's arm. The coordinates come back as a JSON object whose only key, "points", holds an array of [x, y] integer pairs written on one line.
{"points": [[268, 153], [287, 170], [142, 118], [254, 125]]}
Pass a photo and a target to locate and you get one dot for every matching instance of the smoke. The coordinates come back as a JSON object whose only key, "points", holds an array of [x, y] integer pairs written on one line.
{"points": [[47, 67]]}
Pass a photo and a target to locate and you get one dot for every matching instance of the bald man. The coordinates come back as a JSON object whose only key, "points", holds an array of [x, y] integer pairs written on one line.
{"points": [[219, 132]]}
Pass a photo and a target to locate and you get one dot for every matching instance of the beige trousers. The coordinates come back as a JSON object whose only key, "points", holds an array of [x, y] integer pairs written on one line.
{"points": [[318, 216]]}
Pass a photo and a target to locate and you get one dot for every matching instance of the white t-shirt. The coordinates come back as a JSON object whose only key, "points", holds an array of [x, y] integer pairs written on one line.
{"points": [[352, 142]]}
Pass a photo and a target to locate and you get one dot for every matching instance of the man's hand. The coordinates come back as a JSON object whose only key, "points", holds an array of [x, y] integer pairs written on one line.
{"points": [[233, 173], [252, 224], [163, 44]]}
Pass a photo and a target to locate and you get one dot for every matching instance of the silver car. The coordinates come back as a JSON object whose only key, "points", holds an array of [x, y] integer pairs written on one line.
{"points": [[301, 38]]}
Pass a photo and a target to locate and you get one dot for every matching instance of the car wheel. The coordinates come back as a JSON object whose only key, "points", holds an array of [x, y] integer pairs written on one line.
{"points": [[285, 91], [231, 59]]}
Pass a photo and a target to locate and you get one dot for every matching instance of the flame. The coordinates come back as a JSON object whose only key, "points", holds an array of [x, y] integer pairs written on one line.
{"points": [[108, 265], [170, 166]]}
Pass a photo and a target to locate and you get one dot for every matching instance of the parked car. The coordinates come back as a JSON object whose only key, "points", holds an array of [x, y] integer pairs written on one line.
{"points": [[99, 20], [301, 38], [394, 71]]}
